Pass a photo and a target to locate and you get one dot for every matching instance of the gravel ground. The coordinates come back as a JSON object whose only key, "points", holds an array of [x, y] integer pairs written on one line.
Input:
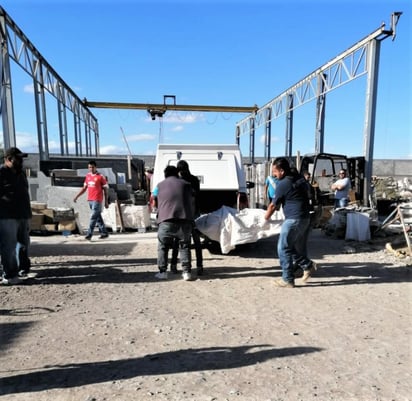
{"points": [[95, 325]]}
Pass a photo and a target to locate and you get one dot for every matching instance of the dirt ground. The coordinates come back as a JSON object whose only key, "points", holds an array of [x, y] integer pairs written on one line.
{"points": [[95, 325]]}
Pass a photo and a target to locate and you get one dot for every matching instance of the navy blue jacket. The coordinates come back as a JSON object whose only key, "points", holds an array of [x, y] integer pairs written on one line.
{"points": [[292, 193]]}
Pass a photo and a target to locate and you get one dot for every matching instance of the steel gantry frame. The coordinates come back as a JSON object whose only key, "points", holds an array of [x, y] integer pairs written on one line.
{"points": [[159, 109], [16, 46], [360, 59]]}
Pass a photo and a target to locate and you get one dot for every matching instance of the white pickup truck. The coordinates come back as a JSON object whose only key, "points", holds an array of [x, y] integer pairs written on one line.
{"points": [[218, 167]]}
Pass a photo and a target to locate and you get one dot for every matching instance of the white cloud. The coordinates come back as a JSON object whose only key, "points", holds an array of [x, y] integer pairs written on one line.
{"points": [[29, 88], [178, 128], [273, 139], [112, 150], [27, 142]]}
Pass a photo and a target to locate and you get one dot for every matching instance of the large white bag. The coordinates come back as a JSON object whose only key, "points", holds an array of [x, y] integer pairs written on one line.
{"points": [[230, 227]]}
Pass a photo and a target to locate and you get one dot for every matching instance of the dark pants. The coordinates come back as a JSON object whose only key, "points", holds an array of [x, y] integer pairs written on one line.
{"points": [[198, 249], [167, 233]]}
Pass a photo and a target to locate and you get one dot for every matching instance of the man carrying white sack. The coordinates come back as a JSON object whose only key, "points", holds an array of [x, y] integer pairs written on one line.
{"points": [[231, 227], [292, 194]]}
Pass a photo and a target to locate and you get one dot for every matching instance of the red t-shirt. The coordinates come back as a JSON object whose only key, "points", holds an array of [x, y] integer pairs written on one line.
{"points": [[95, 184]]}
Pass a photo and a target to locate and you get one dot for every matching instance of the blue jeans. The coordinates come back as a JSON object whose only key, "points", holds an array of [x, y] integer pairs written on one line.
{"points": [[96, 218], [341, 203], [292, 247], [14, 235], [167, 232]]}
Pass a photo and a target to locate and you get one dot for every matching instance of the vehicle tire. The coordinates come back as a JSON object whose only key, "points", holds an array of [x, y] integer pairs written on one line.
{"points": [[213, 247]]}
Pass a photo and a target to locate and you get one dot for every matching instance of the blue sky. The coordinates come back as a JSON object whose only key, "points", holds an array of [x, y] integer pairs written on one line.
{"points": [[228, 53]]}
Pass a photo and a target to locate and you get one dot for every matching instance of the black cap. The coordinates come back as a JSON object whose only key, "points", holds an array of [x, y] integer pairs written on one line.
{"points": [[14, 152]]}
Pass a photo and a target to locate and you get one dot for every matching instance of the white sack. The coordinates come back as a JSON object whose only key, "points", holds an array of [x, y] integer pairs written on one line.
{"points": [[357, 227], [230, 227]]}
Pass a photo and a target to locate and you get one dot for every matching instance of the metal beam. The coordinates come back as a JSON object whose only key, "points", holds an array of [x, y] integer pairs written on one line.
{"points": [[162, 107]]}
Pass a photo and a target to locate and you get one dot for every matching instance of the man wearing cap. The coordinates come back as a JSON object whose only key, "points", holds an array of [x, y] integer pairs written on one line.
{"points": [[15, 215]]}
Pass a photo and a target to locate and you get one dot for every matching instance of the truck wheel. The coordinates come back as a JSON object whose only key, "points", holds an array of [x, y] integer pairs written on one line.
{"points": [[213, 247]]}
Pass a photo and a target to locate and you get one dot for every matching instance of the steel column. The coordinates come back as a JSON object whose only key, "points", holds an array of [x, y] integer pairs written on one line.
{"points": [[268, 131], [320, 114], [289, 126], [6, 106], [252, 140], [41, 118], [77, 135], [64, 141], [237, 135], [370, 113]]}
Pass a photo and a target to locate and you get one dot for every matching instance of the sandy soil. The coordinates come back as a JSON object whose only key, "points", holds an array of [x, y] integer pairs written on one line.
{"points": [[95, 325]]}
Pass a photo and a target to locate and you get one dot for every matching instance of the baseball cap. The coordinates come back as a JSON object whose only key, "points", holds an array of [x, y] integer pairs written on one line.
{"points": [[14, 152]]}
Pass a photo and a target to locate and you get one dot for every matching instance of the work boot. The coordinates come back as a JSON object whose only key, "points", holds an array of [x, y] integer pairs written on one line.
{"points": [[283, 284], [308, 272]]}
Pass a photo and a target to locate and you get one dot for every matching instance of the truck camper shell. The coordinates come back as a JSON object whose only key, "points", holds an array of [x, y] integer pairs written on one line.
{"points": [[218, 167]]}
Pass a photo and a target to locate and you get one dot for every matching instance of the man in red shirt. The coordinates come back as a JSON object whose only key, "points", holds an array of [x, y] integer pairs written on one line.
{"points": [[97, 190]]}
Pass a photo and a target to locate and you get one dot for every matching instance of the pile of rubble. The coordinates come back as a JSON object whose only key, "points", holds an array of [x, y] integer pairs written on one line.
{"points": [[391, 189]]}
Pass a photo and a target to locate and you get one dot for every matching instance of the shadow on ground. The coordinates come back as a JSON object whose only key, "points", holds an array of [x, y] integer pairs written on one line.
{"points": [[187, 360]]}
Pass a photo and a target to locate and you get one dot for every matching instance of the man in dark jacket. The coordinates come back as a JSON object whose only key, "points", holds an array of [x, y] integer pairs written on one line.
{"points": [[292, 193], [175, 220], [15, 215]]}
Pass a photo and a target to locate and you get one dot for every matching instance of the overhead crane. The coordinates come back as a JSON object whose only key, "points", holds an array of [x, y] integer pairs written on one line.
{"points": [[158, 110]]}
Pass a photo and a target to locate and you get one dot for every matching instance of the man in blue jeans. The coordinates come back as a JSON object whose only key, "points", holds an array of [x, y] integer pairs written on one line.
{"points": [[292, 193], [97, 192]]}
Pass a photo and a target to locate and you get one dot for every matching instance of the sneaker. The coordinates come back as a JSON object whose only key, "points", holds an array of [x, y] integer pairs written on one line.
{"points": [[26, 275], [308, 273], [161, 275], [187, 276], [11, 281], [88, 237], [103, 236], [284, 284], [173, 269]]}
